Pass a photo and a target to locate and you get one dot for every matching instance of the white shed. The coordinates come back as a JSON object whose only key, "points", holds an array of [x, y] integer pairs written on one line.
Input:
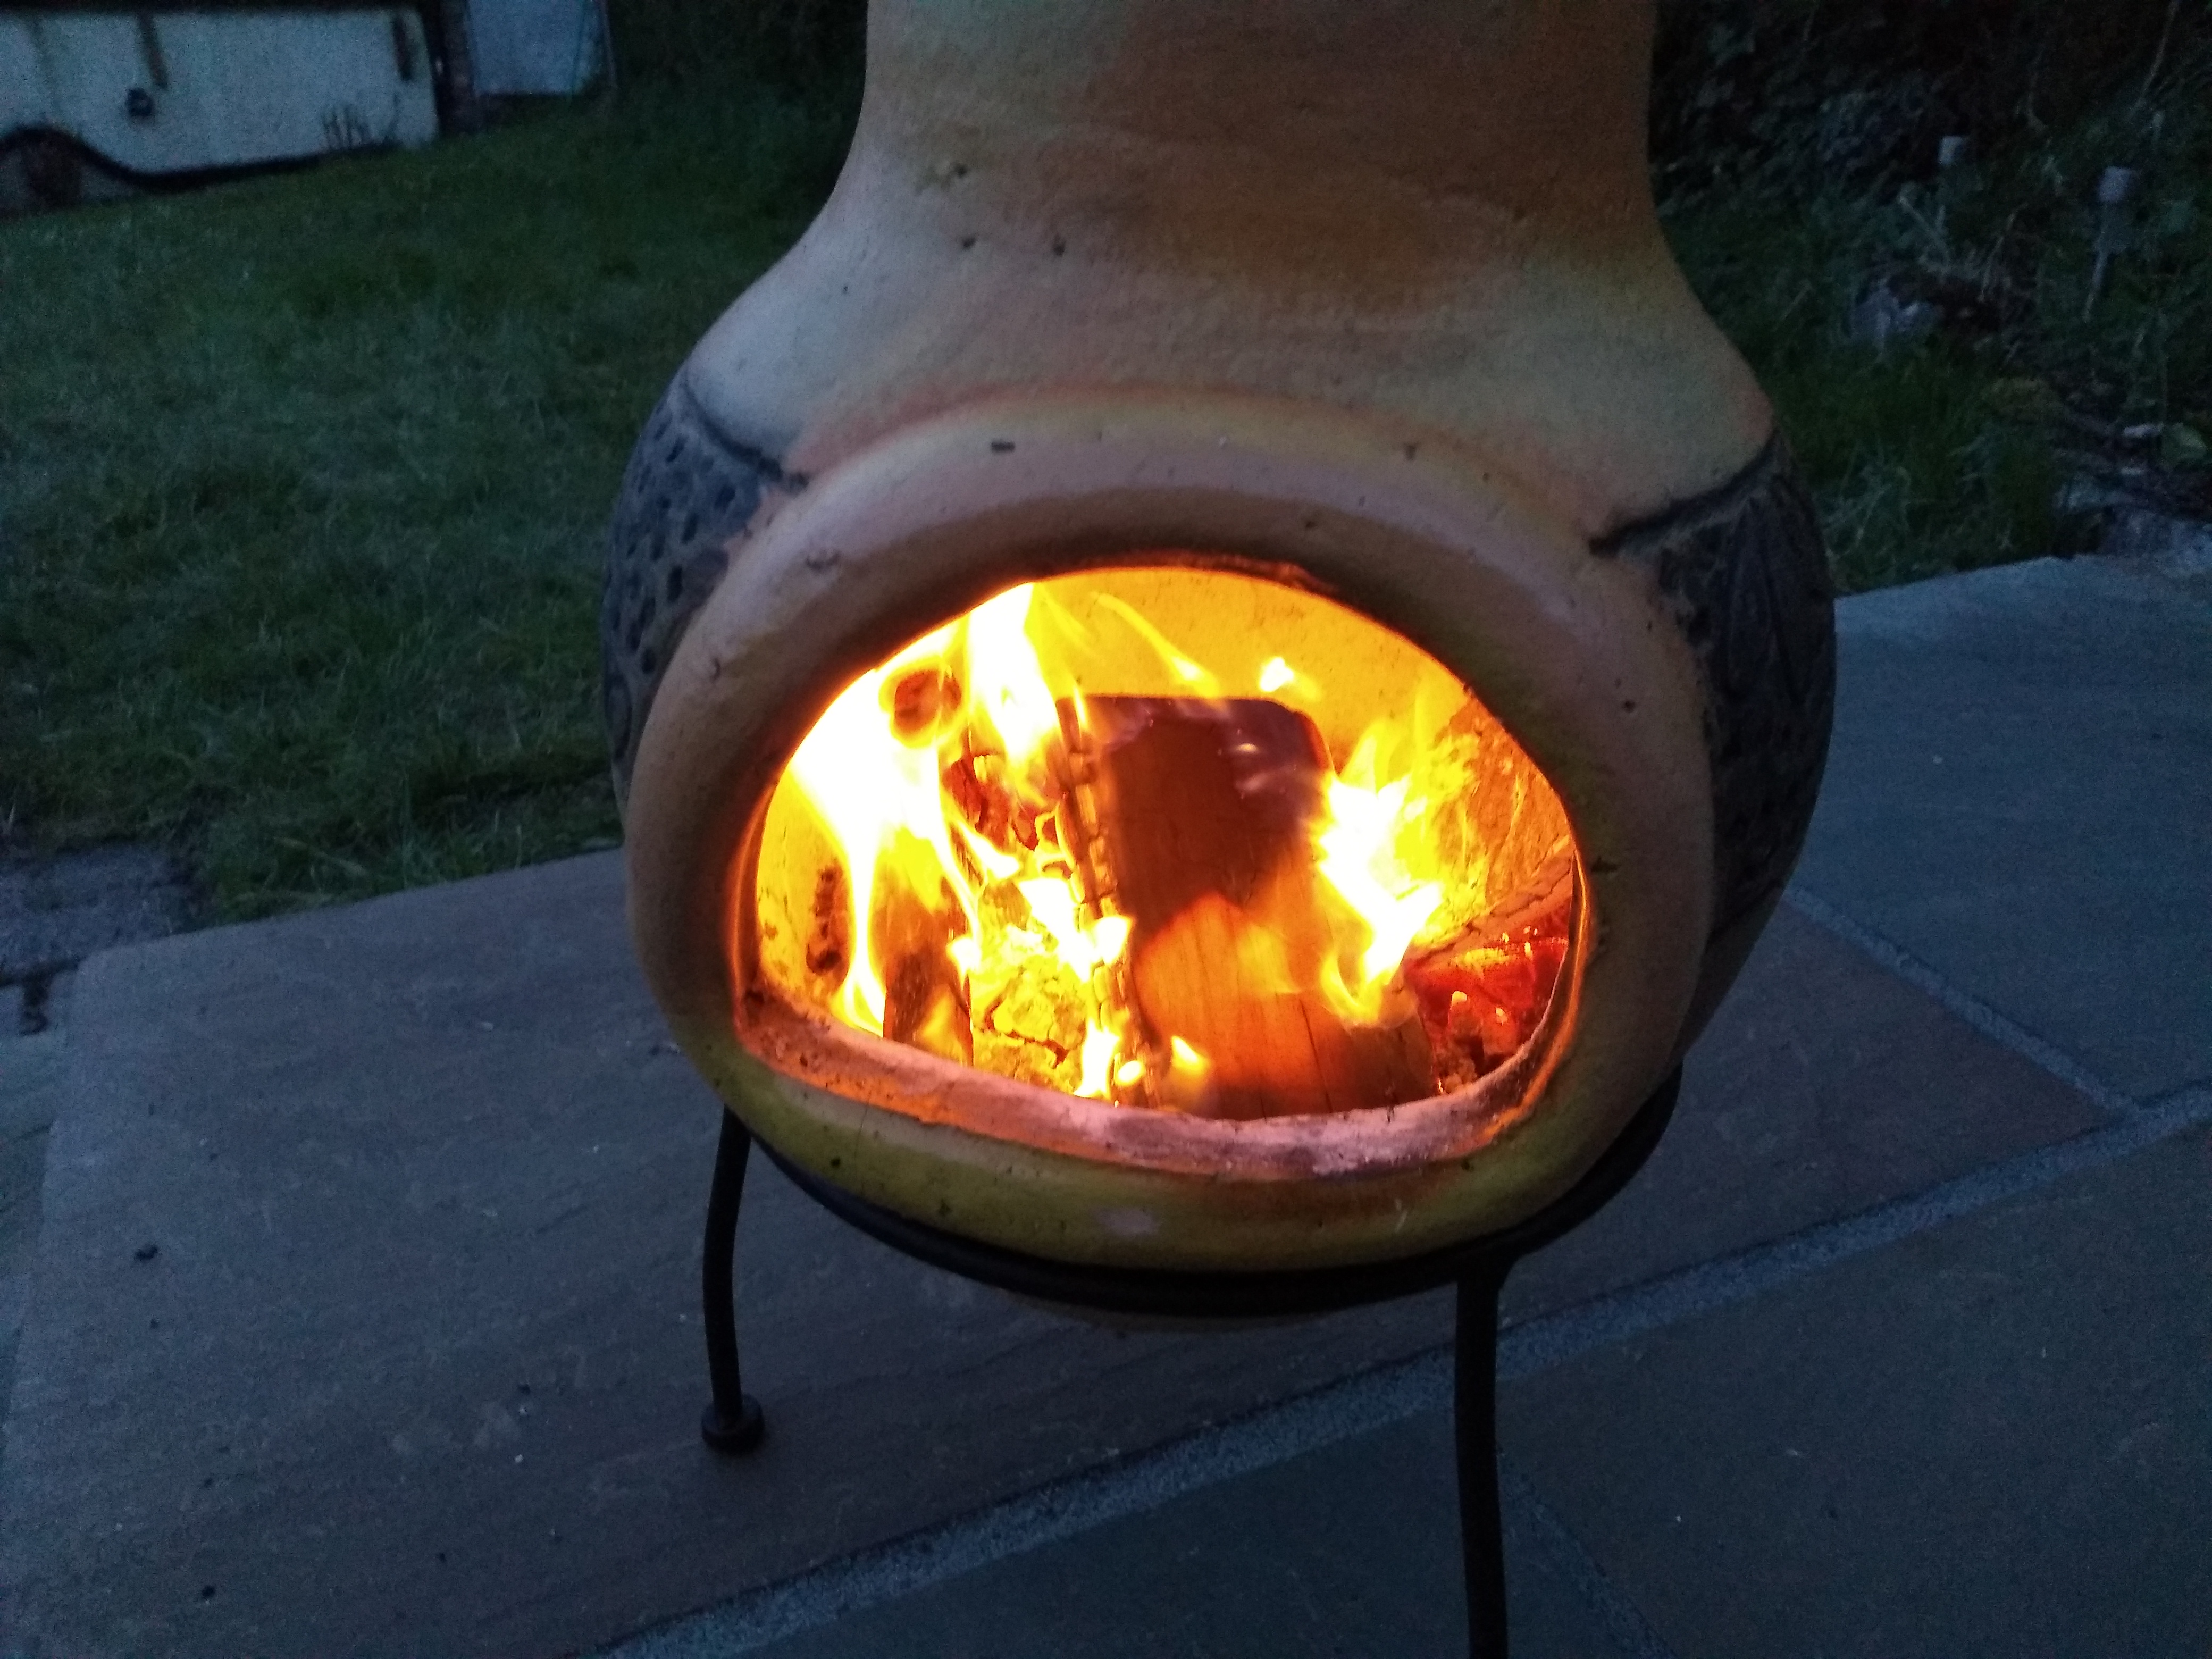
{"points": [[92, 96]]}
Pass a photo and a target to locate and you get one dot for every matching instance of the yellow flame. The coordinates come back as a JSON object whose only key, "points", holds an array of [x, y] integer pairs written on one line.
{"points": [[1079, 945], [1008, 683], [1099, 1048], [1189, 1081], [946, 772], [868, 786], [1369, 823]]}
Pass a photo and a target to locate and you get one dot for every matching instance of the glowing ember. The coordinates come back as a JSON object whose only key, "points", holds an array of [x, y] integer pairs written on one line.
{"points": [[1045, 840]]}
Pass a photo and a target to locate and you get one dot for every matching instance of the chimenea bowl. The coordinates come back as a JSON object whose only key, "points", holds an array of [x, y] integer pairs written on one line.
{"points": [[1219, 670]]}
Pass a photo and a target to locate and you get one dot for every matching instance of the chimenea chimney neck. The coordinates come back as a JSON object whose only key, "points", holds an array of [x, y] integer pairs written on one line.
{"points": [[1180, 130]]}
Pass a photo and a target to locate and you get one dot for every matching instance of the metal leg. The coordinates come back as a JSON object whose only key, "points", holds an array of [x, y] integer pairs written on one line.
{"points": [[1474, 1402], [732, 1423]]}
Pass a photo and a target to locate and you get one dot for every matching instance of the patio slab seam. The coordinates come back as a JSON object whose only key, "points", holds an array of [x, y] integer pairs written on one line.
{"points": [[1375, 1398], [1623, 1621], [1554, 1338], [1053, 1513], [1987, 1439], [1970, 1009]]}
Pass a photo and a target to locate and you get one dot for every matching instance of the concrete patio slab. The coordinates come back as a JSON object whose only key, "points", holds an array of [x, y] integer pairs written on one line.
{"points": [[1993, 1438], [1352, 1548], [31, 1069], [30, 1092], [416, 1357], [2019, 794], [1824, 1086], [412, 1362]]}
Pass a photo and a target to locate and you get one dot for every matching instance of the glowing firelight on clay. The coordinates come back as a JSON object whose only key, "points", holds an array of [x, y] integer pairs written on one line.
{"points": [[1056, 839]]}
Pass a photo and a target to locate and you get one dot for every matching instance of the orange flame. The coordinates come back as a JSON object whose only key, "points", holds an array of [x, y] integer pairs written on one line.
{"points": [[960, 798]]}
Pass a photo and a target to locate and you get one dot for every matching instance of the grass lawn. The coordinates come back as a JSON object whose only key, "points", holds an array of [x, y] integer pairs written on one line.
{"points": [[302, 480]]}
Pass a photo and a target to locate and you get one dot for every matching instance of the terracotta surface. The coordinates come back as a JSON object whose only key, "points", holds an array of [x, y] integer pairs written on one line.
{"points": [[1373, 302]]}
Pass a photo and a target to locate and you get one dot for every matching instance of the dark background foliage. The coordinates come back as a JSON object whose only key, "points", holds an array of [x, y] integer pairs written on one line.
{"points": [[810, 45], [1857, 93]]}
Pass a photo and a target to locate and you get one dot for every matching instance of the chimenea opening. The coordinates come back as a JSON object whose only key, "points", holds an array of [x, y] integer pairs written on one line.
{"points": [[1179, 839]]}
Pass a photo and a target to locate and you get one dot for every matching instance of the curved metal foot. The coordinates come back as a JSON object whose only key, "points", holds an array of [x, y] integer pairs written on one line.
{"points": [[734, 1437], [732, 1423]]}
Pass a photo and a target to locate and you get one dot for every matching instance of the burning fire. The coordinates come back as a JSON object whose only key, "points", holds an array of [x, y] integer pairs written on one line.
{"points": [[1176, 839]]}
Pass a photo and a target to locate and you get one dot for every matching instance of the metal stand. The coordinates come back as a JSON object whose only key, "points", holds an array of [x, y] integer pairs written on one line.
{"points": [[1474, 1434], [732, 1423], [1477, 1267]]}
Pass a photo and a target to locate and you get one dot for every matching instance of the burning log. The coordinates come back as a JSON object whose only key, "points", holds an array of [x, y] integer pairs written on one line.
{"points": [[1195, 820], [913, 918], [1259, 1044]]}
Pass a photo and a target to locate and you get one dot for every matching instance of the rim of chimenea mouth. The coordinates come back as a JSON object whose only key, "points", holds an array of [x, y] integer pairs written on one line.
{"points": [[1567, 651], [812, 1045]]}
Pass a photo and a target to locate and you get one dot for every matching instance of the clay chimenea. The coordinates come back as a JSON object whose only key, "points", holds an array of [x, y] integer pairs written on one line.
{"points": [[1214, 674]]}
